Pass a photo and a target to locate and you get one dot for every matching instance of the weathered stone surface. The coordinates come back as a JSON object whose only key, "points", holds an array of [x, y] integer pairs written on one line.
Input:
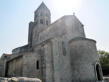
{"points": [[106, 79], [3, 79], [67, 26], [57, 52], [19, 79], [84, 54]]}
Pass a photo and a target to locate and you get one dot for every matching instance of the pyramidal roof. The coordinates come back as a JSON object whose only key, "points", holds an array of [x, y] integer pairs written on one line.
{"points": [[42, 6]]}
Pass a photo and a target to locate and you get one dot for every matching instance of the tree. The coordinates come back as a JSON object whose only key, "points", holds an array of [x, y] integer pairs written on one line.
{"points": [[104, 60]]}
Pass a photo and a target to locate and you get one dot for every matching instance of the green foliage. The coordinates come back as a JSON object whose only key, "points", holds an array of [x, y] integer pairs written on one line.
{"points": [[104, 60]]}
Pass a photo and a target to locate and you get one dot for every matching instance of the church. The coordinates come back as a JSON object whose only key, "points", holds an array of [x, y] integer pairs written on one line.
{"points": [[56, 52]]}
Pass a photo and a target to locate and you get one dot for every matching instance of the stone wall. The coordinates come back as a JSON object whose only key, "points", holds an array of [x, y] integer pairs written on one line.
{"points": [[83, 52], [18, 50], [106, 79], [2, 67], [61, 62], [67, 25], [3, 60], [30, 65], [19, 79], [15, 67], [46, 60]]}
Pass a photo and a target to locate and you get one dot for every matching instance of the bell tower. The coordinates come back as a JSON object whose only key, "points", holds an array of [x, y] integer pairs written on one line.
{"points": [[42, 15], [42, 19]]}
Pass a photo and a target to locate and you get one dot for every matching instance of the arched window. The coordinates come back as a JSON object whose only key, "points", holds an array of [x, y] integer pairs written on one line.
{"points": [[98, 72], [37, 64]]}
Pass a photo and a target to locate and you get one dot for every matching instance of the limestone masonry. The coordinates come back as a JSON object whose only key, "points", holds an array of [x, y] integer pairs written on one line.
{"points": [[57, 52]]}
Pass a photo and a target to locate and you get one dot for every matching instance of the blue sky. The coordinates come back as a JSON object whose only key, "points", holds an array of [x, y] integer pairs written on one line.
{"points": [[16, 14]]}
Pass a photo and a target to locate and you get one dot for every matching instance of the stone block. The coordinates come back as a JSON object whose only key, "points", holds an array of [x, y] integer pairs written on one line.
{"points": [[19, 79]]}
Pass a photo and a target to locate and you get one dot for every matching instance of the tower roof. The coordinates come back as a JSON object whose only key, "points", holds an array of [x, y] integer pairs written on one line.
{"points": [[42, 7]]}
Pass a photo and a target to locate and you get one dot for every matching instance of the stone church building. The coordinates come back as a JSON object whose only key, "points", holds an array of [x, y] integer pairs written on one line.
{"points": [[57, 52]]}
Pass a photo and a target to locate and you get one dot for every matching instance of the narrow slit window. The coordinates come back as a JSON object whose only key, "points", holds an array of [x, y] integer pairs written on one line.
{"points": [[37, 65]]}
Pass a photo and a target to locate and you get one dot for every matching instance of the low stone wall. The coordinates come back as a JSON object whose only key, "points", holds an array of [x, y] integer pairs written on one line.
{"points": [[25, 79], [106, 79], [19, 79]]}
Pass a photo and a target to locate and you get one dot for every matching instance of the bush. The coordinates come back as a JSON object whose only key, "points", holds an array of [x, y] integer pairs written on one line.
{"points": [[104, 60]]}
